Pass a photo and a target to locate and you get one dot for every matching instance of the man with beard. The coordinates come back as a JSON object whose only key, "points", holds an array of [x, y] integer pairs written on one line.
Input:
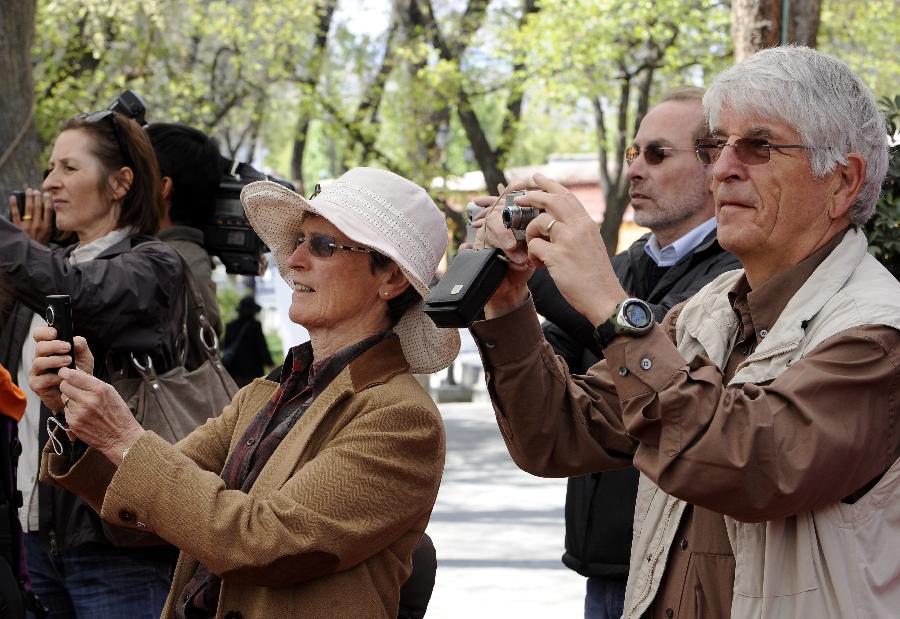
{"points": [[670, 195]]}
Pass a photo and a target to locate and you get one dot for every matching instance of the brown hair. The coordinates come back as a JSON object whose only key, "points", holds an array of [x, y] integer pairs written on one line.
{"points": [[118, 141], [689, 94]]}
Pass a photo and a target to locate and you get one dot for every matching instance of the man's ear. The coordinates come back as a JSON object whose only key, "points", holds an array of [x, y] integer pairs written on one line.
{"points": [[166, 187], [120, 182], [849, 181]]}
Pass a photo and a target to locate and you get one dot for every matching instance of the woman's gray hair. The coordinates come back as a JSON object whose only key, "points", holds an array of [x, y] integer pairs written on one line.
{"points": [[822, 99]]}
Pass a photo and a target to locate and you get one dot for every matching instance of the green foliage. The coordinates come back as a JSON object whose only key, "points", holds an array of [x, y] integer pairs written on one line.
{"points": [[865, 35], [228, 299], [210, 63], [240, 70], [883, 230]]}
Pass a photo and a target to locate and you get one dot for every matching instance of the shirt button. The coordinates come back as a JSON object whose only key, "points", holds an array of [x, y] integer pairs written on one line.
{"points": [[763, 332], [670, 613], [490, 344], [646, 363], [251, 440], [126, 515], [744, 350], [684, 544], [623, 371]]}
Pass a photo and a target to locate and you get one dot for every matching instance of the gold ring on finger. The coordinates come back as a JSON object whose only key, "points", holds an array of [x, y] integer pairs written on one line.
{"points": [[26, 218], [550, 225]]}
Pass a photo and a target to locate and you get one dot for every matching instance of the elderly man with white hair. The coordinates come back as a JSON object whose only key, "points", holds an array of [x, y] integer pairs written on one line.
{"points": [[764, 410]]}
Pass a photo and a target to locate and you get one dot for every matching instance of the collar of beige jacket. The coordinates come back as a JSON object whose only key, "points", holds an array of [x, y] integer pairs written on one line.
{"points": [[374, 366]]}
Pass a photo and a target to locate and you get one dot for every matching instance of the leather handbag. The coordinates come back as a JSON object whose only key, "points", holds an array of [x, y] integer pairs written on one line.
{"points": [[174, 403]]}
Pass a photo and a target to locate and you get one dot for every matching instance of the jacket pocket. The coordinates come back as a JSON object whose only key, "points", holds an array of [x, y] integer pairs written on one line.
{"points": [[707, 587], [776, 558]]}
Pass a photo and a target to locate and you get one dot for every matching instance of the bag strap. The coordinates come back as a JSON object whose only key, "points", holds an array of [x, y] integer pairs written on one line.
{"points": [[204, 338], [194, 300]]}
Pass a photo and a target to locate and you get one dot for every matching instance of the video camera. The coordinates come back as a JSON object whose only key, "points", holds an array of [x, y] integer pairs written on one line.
{"points": [[227, 234]]}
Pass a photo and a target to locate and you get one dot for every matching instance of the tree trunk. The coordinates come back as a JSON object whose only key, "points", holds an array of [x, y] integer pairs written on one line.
{"points": [[325, 10], [617, 200], [756, 24], [804, 24], [20, 148]]}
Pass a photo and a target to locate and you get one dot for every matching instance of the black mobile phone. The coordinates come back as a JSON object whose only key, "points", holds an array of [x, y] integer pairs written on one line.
{"points": [[20, 202], [59, 316]]}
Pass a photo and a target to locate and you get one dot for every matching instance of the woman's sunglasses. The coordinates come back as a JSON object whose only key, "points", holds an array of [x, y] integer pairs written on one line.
{"points": [[323, 245], [99, 117]]}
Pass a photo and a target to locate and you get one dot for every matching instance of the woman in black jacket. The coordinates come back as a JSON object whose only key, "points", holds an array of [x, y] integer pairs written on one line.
{"points": [[126, 289]]}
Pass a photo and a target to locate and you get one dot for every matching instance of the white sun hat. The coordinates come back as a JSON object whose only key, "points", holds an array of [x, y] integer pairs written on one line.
{"points": [[378, 209]]}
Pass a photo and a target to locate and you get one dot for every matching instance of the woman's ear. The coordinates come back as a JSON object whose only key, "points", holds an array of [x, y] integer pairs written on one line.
{"points": [[393, 282], [120, 182]]}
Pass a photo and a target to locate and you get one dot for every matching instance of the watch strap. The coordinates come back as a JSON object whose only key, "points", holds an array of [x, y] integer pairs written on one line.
{"points": [[605, 333]]}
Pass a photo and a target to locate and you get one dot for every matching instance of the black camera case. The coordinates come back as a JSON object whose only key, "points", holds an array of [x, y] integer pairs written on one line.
{"points": [[473, 276]]}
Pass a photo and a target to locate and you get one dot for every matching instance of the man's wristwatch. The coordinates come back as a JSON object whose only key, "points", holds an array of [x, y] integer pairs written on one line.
{"points": [[632, 317]]}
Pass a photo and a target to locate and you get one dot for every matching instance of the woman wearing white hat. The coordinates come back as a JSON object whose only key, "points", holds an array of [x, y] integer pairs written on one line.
{"points": [[307, 495]]}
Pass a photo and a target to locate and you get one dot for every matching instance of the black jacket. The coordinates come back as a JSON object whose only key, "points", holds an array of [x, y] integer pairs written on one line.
{"points": [[600, 507], [127, 300]]}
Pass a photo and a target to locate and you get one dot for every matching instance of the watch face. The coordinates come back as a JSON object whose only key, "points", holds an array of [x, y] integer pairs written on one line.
{"points": [[637, 315]]}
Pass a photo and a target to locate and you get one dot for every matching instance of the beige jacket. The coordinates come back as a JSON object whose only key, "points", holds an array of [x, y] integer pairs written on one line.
{"points": [[838, 561], [329, 526]]}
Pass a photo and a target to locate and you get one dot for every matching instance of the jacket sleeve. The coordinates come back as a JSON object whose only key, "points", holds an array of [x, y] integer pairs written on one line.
{"points": [[817, 433], [703, 268], [12, 399], [361, 491], [132, 288], [552, 425]]}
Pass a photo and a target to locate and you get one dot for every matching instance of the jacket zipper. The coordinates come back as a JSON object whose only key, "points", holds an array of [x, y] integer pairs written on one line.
{"points": [[768, 355], [653, 559]]}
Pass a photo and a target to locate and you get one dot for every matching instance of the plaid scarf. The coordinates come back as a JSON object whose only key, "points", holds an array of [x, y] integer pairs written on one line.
{"points": [[305, 381]]}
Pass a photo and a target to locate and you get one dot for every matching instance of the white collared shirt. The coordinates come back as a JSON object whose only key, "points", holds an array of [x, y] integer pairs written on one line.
{"points": [[671, 254]]}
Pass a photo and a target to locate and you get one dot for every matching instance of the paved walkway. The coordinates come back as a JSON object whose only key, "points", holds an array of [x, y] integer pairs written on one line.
{"points": [[498, 531]]}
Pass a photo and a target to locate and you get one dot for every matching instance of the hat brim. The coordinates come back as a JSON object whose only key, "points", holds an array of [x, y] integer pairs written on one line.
{"points": [[276, 214]]}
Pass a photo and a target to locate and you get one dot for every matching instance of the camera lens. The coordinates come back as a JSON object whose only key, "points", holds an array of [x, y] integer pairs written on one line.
{"points": [[508, 216], [518, 217]]}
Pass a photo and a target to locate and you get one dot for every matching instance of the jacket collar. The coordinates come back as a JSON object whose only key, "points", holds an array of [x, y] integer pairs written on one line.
{"points": [[375, 366], [709, 319], [636, 250], [828, 278], [123, 246]]}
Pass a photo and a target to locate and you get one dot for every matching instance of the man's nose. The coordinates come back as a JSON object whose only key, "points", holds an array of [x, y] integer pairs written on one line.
{"points": [[728, 165], [638, 169]]}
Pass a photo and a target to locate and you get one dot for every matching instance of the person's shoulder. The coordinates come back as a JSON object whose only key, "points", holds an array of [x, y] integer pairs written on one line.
{"points": [[401, 389]]}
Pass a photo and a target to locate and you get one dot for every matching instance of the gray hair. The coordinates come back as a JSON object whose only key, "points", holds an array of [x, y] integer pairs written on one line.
{"points": [[822, 99]]}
